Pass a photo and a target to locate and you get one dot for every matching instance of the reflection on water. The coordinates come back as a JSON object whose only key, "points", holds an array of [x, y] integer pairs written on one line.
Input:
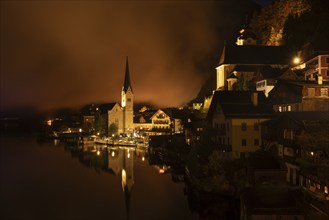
{"points": [[116, 160], [41, 182]]}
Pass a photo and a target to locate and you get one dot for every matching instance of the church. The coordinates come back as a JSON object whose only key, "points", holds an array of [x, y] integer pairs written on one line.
{"points": [[118, 118]]}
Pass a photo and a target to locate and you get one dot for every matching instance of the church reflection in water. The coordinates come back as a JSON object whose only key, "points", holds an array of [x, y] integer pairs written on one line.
{"points": [[115, 160], [120, 161]]}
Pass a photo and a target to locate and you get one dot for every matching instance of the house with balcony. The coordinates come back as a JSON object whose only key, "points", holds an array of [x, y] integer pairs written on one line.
{"points": [[301, 139], [291, 95], [158, 122], [142, 121], [235, 118], [315, 68]]}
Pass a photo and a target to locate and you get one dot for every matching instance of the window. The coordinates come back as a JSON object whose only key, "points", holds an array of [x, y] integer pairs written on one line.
{"points": [[327, 60], [243, 126], [256, 142], [288, 134], [222, 127], [256, 126], [228, 126], [327, 73], [244, 142], [324, 91], [280, 109], [289, 108], [311, 91]]}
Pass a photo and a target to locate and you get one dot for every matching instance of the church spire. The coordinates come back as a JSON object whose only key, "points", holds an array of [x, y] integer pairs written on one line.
{"points": [[127, 84]]}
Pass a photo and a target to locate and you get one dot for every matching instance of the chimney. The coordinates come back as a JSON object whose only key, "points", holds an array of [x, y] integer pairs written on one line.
{"points": [[254, 98]]}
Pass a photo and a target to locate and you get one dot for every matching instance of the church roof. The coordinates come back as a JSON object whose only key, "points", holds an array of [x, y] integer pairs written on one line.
{"points": [[254, 55], [127, 83]]}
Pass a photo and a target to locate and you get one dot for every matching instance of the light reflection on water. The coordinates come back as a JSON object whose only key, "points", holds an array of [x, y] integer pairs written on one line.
{"points": [[43, 181]]}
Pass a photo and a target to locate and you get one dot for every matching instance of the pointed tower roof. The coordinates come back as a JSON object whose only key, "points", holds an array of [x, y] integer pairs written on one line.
{"points": [[127, 83], [222, 57]]}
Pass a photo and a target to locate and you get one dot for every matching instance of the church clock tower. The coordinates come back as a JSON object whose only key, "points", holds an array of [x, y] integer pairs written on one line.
{"points": [[127, 102]]}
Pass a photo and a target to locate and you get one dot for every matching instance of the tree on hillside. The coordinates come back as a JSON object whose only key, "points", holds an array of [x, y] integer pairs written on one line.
{"points": [[311, 27], [269, 23]]}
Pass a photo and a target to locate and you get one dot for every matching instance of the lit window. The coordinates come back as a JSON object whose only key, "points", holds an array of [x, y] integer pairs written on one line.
{"points": [[280, 109], [311, 91], [324, 91], [244, 142], [289, 108]]}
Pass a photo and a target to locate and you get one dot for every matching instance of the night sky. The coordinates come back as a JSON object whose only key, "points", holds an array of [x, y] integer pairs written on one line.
{"points": [[67, 54]]}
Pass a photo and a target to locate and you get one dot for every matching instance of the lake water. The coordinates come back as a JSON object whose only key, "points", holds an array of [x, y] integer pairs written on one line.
{"points": [[53, 180]]}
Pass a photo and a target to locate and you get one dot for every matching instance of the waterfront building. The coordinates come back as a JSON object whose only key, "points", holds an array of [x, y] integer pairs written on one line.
{"points": [[314, 67], [292, 95], [301, 140], [235, 117]]}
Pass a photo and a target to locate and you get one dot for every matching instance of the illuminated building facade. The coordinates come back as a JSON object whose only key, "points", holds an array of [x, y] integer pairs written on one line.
{"points": [[236, 116], [316, 68]]}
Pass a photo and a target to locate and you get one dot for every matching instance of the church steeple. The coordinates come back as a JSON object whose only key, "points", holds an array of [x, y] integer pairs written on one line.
{"points": [[127, 102], [127, 83]]}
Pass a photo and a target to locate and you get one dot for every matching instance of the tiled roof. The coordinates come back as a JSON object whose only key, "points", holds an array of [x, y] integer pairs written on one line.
{"points": [[271, 73], [238, 104], [176, 113], [300, 117], [287, 91], [146, 115]]}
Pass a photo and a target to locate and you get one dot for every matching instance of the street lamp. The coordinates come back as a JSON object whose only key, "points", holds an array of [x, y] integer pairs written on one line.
{"points": [[296, 60]]}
